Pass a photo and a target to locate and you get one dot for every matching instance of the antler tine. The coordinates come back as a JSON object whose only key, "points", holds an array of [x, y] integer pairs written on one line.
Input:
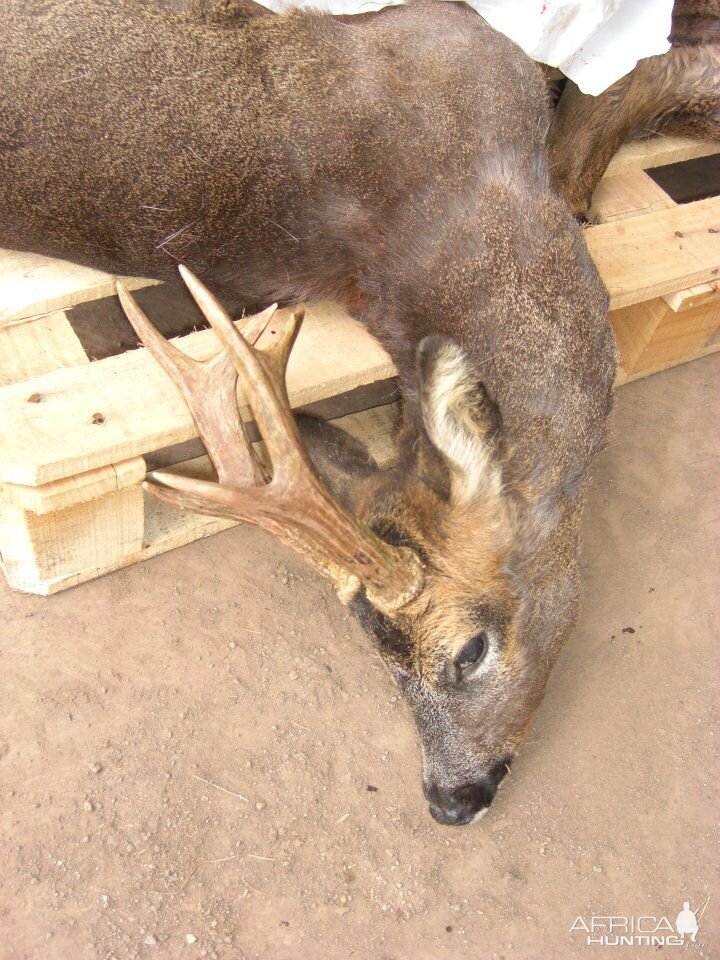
{"points": [[173, 361], [255, 326], [262, 377], [209, 387], [278, 351], [215, 500], [219, 319]]}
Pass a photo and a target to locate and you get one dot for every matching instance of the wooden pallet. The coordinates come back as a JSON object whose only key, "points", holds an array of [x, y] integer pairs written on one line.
{"points": [[75, 434]]}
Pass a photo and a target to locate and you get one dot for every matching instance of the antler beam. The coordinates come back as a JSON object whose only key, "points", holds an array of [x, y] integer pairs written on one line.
{"points": [[290, 500]]}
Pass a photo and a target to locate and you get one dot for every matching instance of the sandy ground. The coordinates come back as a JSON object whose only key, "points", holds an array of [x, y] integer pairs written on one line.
{"points": [[229, 662]]}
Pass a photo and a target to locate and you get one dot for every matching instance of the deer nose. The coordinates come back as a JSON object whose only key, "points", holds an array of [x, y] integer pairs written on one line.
{"points": [[457, 806]]}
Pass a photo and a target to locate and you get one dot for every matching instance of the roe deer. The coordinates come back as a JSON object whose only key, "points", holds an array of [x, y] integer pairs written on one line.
{"points": [[396, 162]]}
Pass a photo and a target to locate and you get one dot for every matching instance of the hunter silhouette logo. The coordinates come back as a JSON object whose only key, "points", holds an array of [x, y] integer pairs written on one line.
{"points": [[687, 921], [642, 930]]}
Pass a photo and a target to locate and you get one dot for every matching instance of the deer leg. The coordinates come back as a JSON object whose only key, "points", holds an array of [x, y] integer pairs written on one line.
{"points": [[676, 93], [585, 134]]}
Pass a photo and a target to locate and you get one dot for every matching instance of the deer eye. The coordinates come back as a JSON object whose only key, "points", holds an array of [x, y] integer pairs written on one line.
{"points": [[471, 656]]}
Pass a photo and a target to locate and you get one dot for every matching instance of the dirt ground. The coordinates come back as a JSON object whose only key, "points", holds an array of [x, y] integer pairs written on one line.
{"points": [[128, 703]]}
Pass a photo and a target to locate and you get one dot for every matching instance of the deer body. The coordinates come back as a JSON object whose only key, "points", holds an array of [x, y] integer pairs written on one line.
{"points": [[396, 163]]}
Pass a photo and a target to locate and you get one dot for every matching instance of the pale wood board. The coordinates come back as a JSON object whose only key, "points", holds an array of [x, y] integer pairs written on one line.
{"points": [[33, 348], [664, 331], [143, 411], [705, 351], [694, 296], [164, 527], [84, 523], [651, 336], [634, 328], [658, 152], [38, 346], [377, 429], [59, 494], [31, 284], [71, 544], [659, 253], [627, 195]]}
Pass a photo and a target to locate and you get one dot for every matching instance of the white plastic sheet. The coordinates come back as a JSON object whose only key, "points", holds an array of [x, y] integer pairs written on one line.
{"points": [[594, 42]]}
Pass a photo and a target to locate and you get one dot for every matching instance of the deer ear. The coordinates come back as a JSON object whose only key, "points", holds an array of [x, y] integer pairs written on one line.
{"points": [[460, 418]]}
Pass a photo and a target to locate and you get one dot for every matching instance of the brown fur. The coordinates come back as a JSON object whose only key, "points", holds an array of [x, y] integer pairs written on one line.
{"points": [[397, 163], [676, 93]]}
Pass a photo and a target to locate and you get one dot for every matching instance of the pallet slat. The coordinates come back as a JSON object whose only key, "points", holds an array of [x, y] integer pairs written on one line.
{"points": [[59, 494], [32, 349], [659, 253], [82, 524], [70, 545], [31, 285], [628, 195], [662, 332], [141, 409], [658, 152], [693, 297], [165, 528]]}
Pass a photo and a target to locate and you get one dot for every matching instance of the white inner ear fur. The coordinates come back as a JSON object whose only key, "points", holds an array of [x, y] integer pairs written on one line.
{"points": [[448, 402]]}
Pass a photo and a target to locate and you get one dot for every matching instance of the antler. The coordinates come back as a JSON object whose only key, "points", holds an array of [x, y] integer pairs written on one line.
{"points": [[291, 502]]}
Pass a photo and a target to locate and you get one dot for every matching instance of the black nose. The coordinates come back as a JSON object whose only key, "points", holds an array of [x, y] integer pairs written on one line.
{"points": [[457, 806]]}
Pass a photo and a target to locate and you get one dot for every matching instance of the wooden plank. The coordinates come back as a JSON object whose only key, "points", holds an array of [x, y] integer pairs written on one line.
{"points": [[680, 336], [69, 529], [59, 494], [652, 336], [362, 398], [658, 253], [141, 409], [377, 429], [693, 297], [165, 528], [658, 152], [67, 546], [634, 328], [32, 348], [38, 346], [709, 348], [31, 285], [662, 332], [627, 195]]}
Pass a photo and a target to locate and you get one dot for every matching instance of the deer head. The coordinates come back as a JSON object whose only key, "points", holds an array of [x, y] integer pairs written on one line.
{"points": [[421, 553]]}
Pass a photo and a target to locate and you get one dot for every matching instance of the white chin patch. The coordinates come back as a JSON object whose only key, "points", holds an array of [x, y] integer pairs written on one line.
{"points": [[480, 814]]}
